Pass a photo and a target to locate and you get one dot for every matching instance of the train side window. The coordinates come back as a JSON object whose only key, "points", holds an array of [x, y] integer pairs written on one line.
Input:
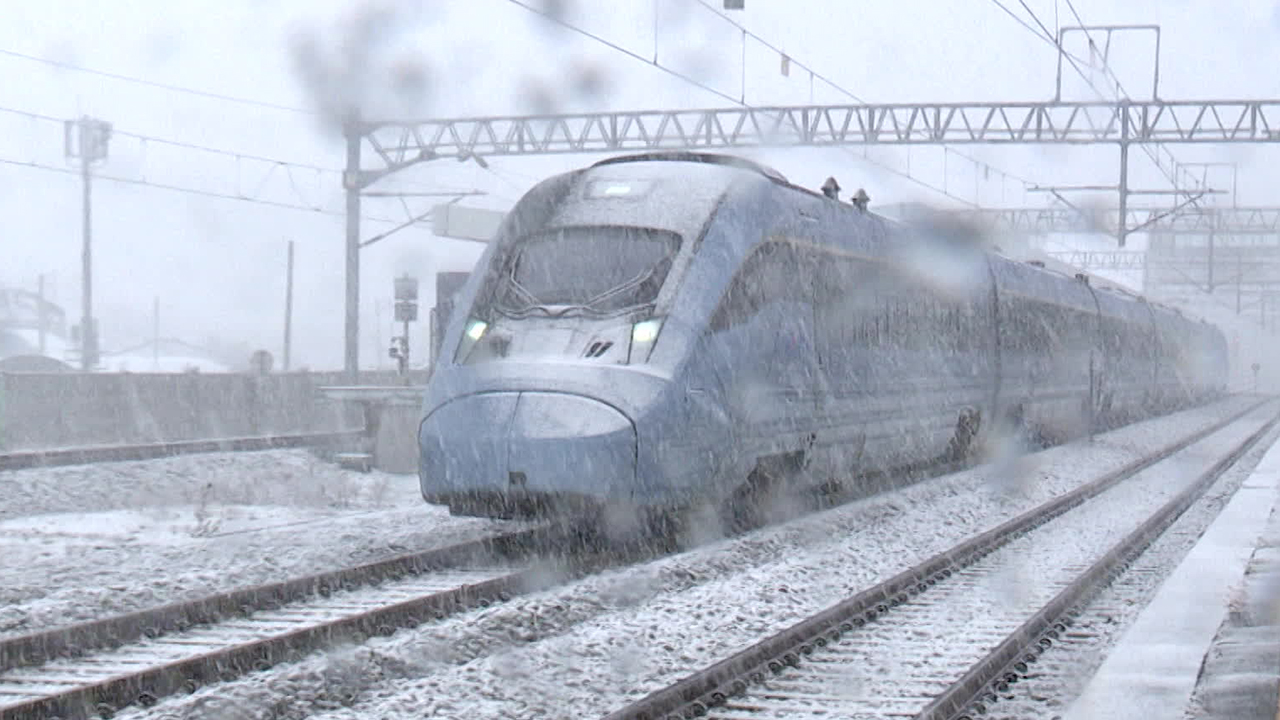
{"points": [[855, 300], [775, 272]]}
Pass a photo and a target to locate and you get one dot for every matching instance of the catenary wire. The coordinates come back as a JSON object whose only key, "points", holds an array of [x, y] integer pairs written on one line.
{"points": [[737, 101], [845, 91], [235, 154], [189, 190], [159, 85]]}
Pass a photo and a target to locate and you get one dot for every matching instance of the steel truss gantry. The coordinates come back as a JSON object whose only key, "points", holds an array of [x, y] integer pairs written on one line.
{"points": [[400, 144], [1103, 259], [1252, 272], [1142, 260], [1187, 221], [1150, 121]]}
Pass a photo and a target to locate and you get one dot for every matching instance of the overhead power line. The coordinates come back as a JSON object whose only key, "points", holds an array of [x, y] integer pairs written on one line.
{"points": [[846, 92], [1034, 16], [1018, 19], [629, 53], [653, 62], [191, 191], [181, 144], [1074, 61], [777, 49], [275, 163], [1121, 91], [1050, 38], [158, 85]]}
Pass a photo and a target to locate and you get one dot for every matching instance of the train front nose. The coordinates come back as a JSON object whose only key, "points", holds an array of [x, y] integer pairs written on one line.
{"points": [[509, 453]]}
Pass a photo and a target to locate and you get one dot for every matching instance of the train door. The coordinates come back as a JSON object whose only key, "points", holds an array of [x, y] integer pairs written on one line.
{"points": [[1127, 344], [760, 343], [1151, 357], [1176, 343], [1101, 350]]}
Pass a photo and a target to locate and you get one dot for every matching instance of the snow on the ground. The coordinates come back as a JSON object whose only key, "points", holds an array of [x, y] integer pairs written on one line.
{"points": [[591, 646], [936, 637], [1156, 665], [1062, 674], [293, 478], [84, 542]]}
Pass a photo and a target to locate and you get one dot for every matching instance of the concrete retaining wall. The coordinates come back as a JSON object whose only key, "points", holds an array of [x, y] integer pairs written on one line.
{"points": [[63, 410], [396, 446]]}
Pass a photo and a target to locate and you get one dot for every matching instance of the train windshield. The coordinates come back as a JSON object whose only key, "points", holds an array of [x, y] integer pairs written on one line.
{"points": [[586, 269]]}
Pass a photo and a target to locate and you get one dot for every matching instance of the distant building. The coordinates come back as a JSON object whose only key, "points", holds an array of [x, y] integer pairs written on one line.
{"points": [[33, 338], [166, 355], [33, 364], [32, 333]]}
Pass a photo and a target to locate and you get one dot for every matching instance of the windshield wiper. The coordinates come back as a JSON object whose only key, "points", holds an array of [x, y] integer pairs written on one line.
{"points": [[628, 286], [551, 311], [531, 301], [591, 307]]}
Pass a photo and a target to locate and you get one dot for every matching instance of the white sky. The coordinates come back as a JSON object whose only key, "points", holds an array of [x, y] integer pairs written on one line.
{"points": [[217, 265]]}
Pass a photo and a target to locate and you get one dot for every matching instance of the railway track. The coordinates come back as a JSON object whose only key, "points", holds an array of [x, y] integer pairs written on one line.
{"points": [[22, 459], [945, 639], [97, 667]]}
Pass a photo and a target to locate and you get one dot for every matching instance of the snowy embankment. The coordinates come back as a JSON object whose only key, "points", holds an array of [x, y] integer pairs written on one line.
{"points": [[83, 542], [590, 646]]}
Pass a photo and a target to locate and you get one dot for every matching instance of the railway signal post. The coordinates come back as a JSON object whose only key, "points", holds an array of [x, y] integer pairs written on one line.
{"points": [[406, 312]]}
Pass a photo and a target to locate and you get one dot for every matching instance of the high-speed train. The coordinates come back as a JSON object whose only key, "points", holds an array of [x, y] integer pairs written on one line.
{"points": [[656, 331]]}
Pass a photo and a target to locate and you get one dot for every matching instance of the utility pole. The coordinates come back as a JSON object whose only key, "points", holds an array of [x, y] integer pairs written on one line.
{"points": [[1239, 279], [1123, 229], [353, 185], [354, 182], [42, 317], [86, 140], [1210, 266], [155, 332], [288, 307]]}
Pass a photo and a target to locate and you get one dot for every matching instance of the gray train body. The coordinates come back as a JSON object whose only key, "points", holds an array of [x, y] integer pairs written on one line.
{"points": [[647, 332]]}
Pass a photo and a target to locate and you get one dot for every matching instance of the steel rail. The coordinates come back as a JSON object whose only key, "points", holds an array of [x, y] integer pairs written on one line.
{"points": [[1008, 662], [710, 687], [80, 638], [145, 687], [84, 455], [150, 683]]}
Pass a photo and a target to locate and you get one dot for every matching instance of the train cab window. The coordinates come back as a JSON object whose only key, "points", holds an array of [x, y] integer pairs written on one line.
{"points": [[592, 269], [775, 272]]}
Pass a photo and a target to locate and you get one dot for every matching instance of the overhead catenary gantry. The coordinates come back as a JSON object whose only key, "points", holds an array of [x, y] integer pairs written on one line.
{"points": [[1147, 121], [1188, 220], [1123, 123]]}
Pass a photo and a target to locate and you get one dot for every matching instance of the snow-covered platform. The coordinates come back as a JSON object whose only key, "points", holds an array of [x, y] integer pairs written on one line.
{"points": [[1208, 645]]}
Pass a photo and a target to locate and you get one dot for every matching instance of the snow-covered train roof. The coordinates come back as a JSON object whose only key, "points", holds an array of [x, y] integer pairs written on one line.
{"points": [[667, 191], [686, 205], [696, 157]]}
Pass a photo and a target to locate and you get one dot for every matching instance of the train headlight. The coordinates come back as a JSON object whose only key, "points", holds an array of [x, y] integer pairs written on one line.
{"points": [[470, 336], [643, 335]]}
